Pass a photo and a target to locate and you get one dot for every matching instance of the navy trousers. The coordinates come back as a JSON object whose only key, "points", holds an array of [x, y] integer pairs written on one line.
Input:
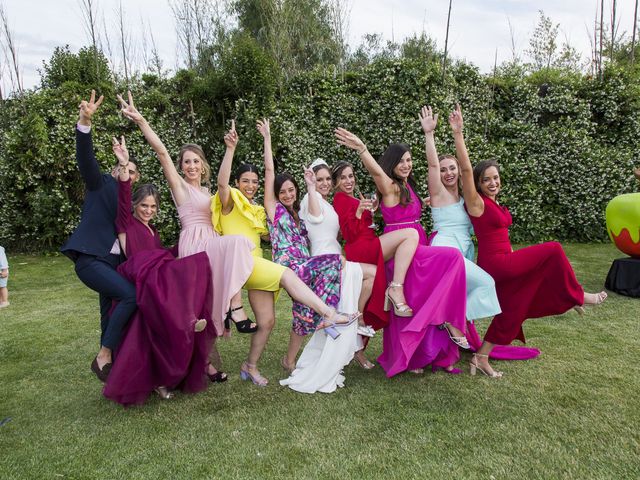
{"points": [[100, 275]]}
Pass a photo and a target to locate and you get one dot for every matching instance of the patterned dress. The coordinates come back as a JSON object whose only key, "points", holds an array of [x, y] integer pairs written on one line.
{"points": [[322, 273]]}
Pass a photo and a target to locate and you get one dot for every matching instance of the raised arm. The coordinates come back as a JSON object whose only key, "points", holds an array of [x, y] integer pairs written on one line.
{"points": [[85, 156], [224, 174], [176, 183], [475, 205], [314, 208], [124, 217], [429, 123], [383, 183], [270, 197]]}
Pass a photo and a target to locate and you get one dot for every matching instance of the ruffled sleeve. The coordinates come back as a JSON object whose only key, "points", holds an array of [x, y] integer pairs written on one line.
{"points": [[254, 214]]}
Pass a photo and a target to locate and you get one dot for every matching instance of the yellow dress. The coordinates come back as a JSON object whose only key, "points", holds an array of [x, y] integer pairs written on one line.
{"points": [[250, 220]]}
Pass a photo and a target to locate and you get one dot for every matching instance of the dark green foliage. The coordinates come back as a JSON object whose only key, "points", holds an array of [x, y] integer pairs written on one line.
{"points": [[566, 142]]}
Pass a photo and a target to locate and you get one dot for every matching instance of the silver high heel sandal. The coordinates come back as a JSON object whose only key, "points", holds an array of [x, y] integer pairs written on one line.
{"points": [[400, 309], [473, 364]]}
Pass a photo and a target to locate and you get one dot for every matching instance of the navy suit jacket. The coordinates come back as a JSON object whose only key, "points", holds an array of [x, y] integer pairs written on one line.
{"points": [[96, 232]]}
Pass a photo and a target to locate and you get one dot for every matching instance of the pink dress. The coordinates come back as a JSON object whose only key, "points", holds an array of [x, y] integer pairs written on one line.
{"points": [[435, 288], [229, 256]]}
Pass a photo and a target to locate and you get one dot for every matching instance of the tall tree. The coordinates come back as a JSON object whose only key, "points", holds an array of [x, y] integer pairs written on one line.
{"points": [[446, 43]]}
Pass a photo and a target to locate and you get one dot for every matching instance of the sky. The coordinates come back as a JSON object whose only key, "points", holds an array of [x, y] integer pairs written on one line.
{"points": [[479, 28]]}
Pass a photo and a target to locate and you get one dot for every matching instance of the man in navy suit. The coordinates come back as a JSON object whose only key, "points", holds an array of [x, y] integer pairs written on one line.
{"points": [[94, 247]]}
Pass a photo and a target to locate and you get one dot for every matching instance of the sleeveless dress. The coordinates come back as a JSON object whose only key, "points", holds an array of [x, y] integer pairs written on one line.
{"points": [[249, 220], [159, 346], [319, 368], [290, 247], [363, 246], [532, 282], [229, 257], [452, 228], [434, 288]]}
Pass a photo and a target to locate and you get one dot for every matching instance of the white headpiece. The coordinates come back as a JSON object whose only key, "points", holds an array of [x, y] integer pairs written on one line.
{"points": [[317, 162]]}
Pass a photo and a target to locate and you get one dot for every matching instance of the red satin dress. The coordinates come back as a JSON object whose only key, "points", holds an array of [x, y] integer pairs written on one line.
{"points": [[363, 245], [532, 282]]}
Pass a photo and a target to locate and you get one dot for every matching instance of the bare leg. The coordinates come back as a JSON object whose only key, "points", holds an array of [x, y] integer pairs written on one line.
{"points": [[4, 295], [594, 298], [401, 245], [215, 360], [301, 293], [368, 274], [262, 304], [295, 342]]}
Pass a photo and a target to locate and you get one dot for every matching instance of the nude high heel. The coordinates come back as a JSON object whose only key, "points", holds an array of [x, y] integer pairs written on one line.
{"points": [[473, 365]]}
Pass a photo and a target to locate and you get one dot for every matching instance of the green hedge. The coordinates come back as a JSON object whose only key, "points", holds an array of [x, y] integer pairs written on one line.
{"points": [[566, 142]]}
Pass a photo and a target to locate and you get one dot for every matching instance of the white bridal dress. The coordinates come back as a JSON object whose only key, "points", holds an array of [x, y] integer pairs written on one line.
{"points": [[319, 368]]}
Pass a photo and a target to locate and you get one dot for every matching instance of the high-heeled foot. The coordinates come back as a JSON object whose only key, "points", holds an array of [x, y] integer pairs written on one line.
{"points": [[363, 361], [579, 309], [200, 325], [243, 326], [217, 377], [473, 366], [332, 321], [164, 393], [400, 309], [459, 341], [257, 379], [285, 366]]}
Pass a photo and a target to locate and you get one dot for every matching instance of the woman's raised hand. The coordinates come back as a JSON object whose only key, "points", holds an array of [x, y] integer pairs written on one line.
{"points": [[120, 150], [231, 137], [309, 178], [455, 119], [87, 109], [428, 120], [129, 110], [348, 139], [263, 127]]}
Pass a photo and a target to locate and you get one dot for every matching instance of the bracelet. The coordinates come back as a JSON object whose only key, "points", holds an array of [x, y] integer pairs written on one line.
{"points": [[363, 150]]}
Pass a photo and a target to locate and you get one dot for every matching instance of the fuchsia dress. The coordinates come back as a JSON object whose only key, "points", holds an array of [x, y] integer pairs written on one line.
{"points": [[532, 282], [160, 347], [435, 288]]}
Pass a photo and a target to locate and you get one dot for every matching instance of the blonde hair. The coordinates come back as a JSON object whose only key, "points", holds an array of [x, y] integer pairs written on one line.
{"points": [[197, 149]]}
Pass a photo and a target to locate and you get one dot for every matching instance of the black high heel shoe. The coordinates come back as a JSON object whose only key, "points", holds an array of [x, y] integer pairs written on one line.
{"points": [[243, 326]]}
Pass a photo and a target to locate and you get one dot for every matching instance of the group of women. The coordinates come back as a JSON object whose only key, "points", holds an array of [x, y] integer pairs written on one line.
{"points": [[423, 292]]}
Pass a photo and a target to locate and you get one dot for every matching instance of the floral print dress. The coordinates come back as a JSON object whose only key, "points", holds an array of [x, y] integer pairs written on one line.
{"points": [[322, 273]]}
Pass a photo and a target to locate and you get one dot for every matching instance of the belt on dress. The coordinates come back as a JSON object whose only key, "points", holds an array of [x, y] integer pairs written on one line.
{"points": [[403, 223]]}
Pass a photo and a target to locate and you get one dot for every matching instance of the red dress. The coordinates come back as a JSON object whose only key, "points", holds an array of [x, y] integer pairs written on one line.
{"points": [[532, 282], [362, 245]]}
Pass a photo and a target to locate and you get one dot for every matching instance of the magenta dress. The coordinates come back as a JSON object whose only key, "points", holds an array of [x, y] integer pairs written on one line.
{"points": [[160, 347], [435, 288], [230, 256]]}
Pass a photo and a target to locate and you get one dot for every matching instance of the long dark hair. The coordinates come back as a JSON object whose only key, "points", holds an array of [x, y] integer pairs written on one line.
{"points": [[388, 161], [479, 170], [280, 179], [337, 170], [142, 192], [244, 168]]}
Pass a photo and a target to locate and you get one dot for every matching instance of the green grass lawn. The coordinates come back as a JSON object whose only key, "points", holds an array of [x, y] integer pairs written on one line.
{"points": [[572, 413]]}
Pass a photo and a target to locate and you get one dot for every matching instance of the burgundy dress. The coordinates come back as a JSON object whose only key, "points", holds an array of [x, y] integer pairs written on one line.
{"points": [[362, 245], [160, 347], [532, 282]]}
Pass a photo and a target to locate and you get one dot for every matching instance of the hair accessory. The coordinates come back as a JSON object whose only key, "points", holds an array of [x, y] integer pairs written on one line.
{"points": [[317, 162]]}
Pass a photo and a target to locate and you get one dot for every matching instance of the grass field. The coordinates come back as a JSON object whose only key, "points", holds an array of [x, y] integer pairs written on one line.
{"points": [[572, 413]]}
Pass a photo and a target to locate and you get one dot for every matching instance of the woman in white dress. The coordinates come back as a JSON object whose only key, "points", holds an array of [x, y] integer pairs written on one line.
{"points": [[319, 368]]}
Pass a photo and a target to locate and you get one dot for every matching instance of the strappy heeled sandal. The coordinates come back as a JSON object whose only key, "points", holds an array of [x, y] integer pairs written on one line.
{"points": [[243, 326], [217, 377], [400, 309], [257, 379], [285, 366], [164, 393], [330, 323], [459, 341], [473, 365]]}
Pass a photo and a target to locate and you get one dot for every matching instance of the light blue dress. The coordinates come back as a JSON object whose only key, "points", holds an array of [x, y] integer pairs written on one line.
{"points": [[452, 228]]}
